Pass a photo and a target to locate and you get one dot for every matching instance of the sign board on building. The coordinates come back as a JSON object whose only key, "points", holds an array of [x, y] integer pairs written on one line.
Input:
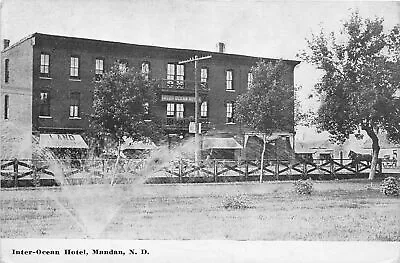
{"points": [[192, 127], [174, 98]]}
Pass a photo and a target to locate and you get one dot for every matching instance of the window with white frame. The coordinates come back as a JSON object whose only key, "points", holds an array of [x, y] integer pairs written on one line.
{"points": [[170, 109], [44, 65], [180, 110], [229, 79], [204, 75], [146, 107], [44, 105], [74, 111], [175, 74], [146, 70], [204, 109], [249, 79], [180, 76], [74, 67], [229, 112], [99, 70], [6, 107]]}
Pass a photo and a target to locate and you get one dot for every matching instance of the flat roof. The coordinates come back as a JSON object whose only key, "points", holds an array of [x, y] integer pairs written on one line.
{"points": [[295, 62]]}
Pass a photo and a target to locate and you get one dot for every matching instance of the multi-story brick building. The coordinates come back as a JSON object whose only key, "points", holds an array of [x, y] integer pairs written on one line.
{"points": [[47, 84]]}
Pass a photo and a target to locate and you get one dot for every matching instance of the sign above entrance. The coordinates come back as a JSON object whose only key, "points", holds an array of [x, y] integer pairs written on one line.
{"points": [[71, 141], [178, 98]]}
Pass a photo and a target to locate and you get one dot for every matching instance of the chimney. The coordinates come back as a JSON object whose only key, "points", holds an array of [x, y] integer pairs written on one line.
{"points": [[6, 43], [221, 47]]}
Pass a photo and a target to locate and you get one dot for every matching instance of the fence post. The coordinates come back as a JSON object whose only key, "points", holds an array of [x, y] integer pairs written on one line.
{"points": [[15, 169], [246, 170], [332, 170], [277, 170], [341, 158], [180, 170], [357, 168], [215, 171]]}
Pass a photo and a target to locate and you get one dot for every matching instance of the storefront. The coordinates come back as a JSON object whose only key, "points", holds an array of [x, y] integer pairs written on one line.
{"points": [[64, 145], [220, 148]]}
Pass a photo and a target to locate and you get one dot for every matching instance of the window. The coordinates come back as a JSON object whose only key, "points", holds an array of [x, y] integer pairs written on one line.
{"points": [[170, 109], [175, 110], [229, 112], [44, 105], [179, 110], [229, 80], [204, 109], [99, 70], [176, 73], [44, 65], [180, 75], [75, 104], [123, 65], [146, 108], [146, 70], [74, 67], [6, 107], [6, 70], [203, 77], [249, 80]]}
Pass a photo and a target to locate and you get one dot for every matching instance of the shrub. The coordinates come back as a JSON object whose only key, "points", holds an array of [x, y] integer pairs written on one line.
{"points": [[236, 202], [303, 187], [390, 186]]}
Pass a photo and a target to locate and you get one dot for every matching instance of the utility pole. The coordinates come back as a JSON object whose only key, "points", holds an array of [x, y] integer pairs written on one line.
{"points": [[196, 105]]}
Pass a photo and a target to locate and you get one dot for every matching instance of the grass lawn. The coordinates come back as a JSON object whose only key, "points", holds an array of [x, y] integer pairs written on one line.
{"points": [[337, 210]]}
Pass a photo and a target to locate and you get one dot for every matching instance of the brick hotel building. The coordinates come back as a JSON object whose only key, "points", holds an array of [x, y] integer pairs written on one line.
{"points": [[47, 87]]}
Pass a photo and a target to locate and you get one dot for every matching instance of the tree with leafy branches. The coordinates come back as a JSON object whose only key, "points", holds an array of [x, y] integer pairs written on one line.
{"points": [[122, 103], [268, 105], [360, 83]]}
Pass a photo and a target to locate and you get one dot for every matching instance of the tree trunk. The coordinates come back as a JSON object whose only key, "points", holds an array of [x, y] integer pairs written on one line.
{"points": [[262, 157], [375, 152], [116, 163]]}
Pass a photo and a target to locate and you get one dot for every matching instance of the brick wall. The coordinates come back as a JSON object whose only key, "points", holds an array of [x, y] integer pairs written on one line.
{"points": [[16, 131]]}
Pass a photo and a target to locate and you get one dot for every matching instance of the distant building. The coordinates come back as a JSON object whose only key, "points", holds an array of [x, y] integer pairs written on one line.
{"points": [[47, 86]]}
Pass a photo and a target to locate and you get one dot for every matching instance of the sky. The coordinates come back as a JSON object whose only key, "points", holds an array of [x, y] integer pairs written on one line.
{"points": [[276, 29]]}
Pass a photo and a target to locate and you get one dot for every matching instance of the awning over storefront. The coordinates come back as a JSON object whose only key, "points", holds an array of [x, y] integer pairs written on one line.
{"points": [[221, 143], [139, 145], [70, 141]]}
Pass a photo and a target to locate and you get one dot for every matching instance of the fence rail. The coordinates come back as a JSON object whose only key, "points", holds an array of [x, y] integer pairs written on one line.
{"points": [[184, 170]]}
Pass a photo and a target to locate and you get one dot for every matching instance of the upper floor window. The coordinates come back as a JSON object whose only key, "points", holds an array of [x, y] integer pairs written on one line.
{"points": [[204, 109], [146, 70], [6, 107], [123, 65], [229, 112], [75, 102], [99, 70], [229, 80], [249, 79], [44, 65], [175, 73], [203, 76], [146, 107], [44, 105], [74, 67], [6, 70]]}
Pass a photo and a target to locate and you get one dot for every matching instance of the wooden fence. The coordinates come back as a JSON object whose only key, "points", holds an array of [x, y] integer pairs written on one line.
{"points": [[249, 170], [180, 171]]}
